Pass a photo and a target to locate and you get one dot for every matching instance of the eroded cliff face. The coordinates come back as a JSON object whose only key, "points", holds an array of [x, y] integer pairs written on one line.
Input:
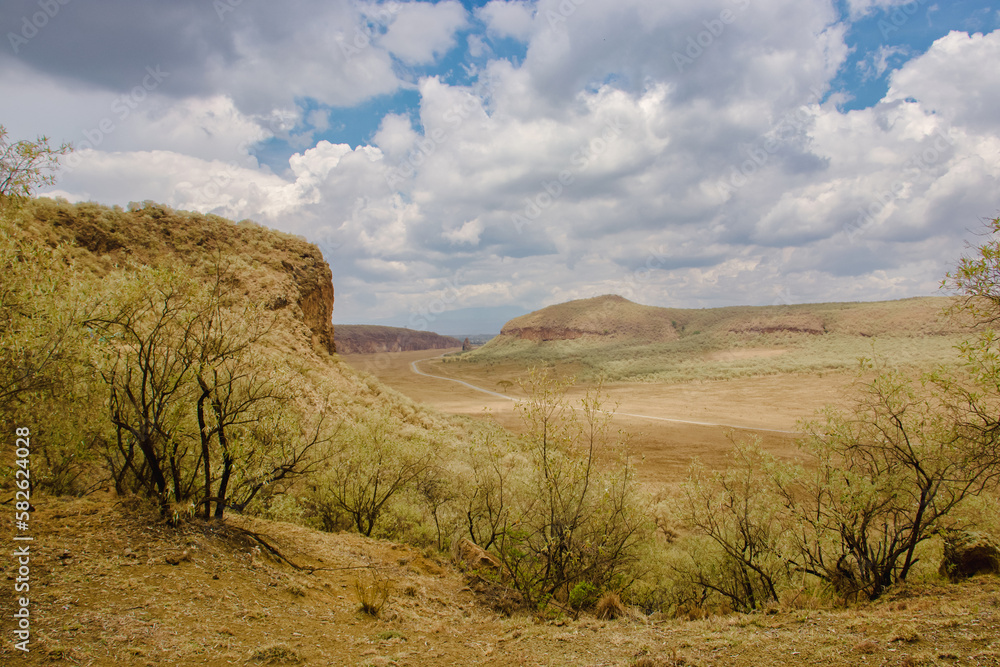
{"points": [[314, 280], [371, 339], [541, 334]]}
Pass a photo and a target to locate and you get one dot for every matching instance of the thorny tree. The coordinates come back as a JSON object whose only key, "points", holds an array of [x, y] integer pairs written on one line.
{"points": [[189, 389], [735, 510], [888, 473], [578, 520], [370, 464]]}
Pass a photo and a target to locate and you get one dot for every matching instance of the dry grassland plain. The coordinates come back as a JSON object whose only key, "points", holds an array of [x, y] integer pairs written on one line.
{"points": [[670, 424]]}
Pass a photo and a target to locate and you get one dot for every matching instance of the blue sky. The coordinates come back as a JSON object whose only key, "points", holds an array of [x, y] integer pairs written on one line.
{"points": [[880, 41], [462, 162], [893, 35]]}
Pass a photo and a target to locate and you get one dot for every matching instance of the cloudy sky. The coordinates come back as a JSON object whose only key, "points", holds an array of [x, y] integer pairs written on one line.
{"points": [[460, 163]]}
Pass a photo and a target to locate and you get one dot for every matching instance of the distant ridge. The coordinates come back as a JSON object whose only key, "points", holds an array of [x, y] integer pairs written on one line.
{"points": [[615, 339], [372, 339], [615, 319]]}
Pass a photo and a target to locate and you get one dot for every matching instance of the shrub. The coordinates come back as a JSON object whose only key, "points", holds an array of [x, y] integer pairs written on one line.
{"points": [[583, 596], [575, 519], [277, 654], [739, 514]]}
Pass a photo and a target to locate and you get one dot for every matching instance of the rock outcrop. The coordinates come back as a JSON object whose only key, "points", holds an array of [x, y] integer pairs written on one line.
{"points": [[285, 272], [314, 280], [470, 557]]}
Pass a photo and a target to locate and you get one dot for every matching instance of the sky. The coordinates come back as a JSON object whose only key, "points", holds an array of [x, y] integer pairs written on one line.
{"points": [[461, 163]]}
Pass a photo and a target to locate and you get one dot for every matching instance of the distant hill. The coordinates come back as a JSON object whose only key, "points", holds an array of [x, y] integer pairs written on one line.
{"points": [[615, 318], [622, 340], [371, 339], [609, 317]]}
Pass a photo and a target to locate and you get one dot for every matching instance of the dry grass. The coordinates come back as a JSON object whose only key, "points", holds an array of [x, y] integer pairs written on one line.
{"points": [[373, 590], [905, 632], [609, 607], [276, 654]]}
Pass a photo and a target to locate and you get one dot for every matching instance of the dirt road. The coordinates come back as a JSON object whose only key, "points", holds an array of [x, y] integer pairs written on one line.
{"points": [[669, 424]]}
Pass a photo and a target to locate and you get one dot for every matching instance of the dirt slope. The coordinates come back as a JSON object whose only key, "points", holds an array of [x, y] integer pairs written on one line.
{"points": [[103, 593]]}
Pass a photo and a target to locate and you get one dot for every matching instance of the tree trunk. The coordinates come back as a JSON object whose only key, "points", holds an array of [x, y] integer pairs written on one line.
{"points": [[220, 500], [205, 438], [227, 462]]}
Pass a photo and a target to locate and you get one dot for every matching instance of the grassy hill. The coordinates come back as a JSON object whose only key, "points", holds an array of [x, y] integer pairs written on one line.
{"points": [[371, 339], [96, 249], [625, 341], [284, 272]]}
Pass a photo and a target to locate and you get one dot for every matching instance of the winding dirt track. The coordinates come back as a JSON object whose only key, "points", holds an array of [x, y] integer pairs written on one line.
{"points": [[415, 369], [668, 425]]}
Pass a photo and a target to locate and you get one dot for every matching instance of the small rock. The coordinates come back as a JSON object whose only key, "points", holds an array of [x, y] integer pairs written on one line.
{"points": [[471, 557], [968, 553], [130, 554], [178, 558], [65, 555]]}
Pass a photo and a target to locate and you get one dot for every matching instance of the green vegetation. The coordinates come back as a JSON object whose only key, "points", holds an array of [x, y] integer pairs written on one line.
{"points": [[878, 480], [569, 520], [24, 165], [179, 357]]}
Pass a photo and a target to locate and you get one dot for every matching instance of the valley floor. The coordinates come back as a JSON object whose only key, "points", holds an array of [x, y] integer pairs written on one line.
{"points": [[670, 424]]}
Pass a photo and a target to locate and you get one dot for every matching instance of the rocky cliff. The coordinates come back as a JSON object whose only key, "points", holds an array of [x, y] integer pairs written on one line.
{"points": [[285, 272]]}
